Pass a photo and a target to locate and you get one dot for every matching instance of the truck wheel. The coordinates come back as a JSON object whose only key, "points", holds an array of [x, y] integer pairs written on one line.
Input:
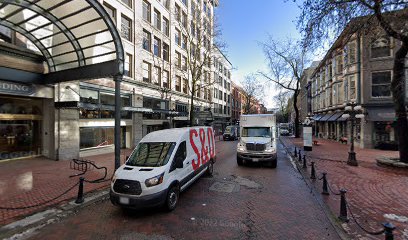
{"points": [[273, 164], [172, 198], [239, 161], [210, 168]]}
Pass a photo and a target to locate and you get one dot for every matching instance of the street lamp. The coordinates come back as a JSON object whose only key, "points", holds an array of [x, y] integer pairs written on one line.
{"points": [[352, 111]]}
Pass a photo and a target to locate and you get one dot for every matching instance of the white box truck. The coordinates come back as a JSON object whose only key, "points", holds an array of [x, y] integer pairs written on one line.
{"points": [[258, 139], [163, 164]]}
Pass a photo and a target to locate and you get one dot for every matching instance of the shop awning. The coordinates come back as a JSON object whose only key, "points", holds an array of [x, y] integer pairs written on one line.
{"points": [[335, 116], [316, 117], [342, 119], [381, 114], [325, 117], [78, 39]]}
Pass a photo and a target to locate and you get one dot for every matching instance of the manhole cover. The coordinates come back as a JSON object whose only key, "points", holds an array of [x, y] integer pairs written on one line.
{"points": [[223, 187]]}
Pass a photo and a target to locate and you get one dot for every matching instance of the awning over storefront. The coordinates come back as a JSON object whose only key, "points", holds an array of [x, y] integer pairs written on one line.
{"points": [[317, 117], [325, 117], [335, 116], [342, 119], [381, 114]]}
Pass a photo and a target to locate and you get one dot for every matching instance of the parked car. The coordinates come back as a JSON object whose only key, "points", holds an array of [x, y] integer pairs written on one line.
{"points": [[162, 165], [284, 132], [231, 133]]}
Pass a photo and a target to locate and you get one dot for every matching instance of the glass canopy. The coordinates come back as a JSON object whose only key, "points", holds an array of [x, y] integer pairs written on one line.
{"points": [[70, 34]]}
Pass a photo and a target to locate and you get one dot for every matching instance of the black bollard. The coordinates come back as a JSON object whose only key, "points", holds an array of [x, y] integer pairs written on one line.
{"points": [[388, 228], [80, 197], [313, 171], [343, 207], [325, 189], [300, 156], [304, 161], [295, 152]]}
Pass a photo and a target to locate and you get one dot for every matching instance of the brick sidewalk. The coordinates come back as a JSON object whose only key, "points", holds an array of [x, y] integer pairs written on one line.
{"points": [[372, 191], [34, 181]]}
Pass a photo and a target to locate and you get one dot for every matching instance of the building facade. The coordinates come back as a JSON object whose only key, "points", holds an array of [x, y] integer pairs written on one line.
{"points": [[222, 89], [76, 119], [236, 103], [356, 69]]}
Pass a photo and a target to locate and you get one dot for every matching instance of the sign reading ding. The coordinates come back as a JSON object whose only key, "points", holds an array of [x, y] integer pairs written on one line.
{"points": [[16, 88]]}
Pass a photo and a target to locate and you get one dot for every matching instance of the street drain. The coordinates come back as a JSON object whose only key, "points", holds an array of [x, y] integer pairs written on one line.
{"points": [[224, 187]]}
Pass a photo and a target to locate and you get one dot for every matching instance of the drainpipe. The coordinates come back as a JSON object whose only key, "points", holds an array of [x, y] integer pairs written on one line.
{"points": [[57, 157], [359, 70]]}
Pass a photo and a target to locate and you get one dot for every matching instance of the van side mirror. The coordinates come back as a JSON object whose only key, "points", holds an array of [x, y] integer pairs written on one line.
{"points": [[179, 162]]}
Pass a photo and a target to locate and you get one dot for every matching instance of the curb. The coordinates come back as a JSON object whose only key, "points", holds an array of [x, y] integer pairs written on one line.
{"points": [[25, 227], [317, 195]]}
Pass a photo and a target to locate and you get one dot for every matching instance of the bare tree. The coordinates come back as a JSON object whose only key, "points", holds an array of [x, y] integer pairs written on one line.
{"points": [[323, 19], [252, 91], [281, 99], [198, 35], [286, 62]]}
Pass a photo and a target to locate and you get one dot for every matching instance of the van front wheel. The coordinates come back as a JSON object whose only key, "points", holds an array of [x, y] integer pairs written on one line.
{"points": [[172, 198]]}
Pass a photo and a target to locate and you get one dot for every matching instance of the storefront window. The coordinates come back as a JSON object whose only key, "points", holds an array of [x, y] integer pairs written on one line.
{"points": [[20, 127], [97, 137]]}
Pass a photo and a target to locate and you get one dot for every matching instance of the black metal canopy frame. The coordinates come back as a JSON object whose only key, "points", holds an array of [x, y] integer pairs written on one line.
{"points": [[78, 39]]}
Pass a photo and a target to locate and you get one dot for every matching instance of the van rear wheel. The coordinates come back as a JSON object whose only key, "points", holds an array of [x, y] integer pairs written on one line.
{"points": [[172, 198], [210, 168]]}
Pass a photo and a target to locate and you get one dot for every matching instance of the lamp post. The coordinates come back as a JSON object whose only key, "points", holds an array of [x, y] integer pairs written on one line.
{"points": [[352, 111]]}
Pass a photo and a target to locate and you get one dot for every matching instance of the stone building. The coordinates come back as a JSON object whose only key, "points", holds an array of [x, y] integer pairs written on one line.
{"points": [[356, 69], [75, 119]]}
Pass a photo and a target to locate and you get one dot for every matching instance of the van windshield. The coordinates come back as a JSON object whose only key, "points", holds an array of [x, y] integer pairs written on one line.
{"points": [[151, 154], [256, 132]]}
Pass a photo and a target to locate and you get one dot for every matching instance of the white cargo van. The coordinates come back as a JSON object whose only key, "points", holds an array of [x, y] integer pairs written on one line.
{"points": [[258, 139], [163, 164]]}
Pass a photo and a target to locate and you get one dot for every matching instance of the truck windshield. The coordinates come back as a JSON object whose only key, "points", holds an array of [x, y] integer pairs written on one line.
{"points": [[256, 132], [151, 154]]}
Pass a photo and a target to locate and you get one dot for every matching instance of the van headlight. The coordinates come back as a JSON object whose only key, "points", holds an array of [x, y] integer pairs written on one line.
{"points": [[154, 180], [270, 150]]}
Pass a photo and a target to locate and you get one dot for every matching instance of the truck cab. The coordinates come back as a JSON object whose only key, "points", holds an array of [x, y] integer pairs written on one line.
{"points": [[258, 139]]}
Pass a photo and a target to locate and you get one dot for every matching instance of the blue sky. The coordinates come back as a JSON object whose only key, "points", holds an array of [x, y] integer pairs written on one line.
{"points": [[244, 23]]}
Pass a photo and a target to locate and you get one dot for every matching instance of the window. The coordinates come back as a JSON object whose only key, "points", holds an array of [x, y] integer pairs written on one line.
{"points": [[157, 19], [225, 83], [339, 64], [177, 37], [111, 11], [178, 83], [180, 155], [181, 107], [215, 108], [147, 38], [127, 3], [146, 10], [166, 51], [184, 63], [157, 47], [346, 94], [126, 28], [185, 86], [198, 91], [184, 19], [184, 42], [166, 4], [185, 2], [381, 47], [128, 65], [166, 79], [146, 72], [381, 84], [351, 54], [220, 94], [177, 12], [352, 83], [166, 26], [178, 59], [225, 96], [157, 76]]}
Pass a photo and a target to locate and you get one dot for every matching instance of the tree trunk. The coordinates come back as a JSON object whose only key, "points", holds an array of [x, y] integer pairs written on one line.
{"points": [[192, 109], [297, 132], [398, 93]]}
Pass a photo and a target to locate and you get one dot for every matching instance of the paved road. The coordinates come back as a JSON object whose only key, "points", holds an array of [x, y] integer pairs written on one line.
{"points": [[250, 202]]}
